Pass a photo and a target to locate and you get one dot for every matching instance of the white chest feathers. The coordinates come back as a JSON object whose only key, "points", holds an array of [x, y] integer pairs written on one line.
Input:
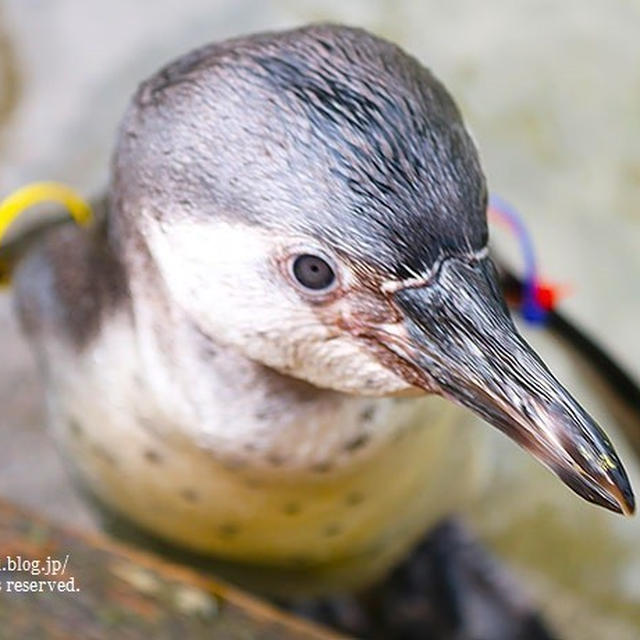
{"points": [[246, 464]]}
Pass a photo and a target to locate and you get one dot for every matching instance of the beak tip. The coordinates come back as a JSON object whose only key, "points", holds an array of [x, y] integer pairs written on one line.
{"points": [[626, 508], [627, 500], [618, 486], [623, 503], [612, 491]]}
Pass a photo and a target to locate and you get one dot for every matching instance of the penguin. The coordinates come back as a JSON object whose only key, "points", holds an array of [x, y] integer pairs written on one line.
{"points": [[259, 352]]}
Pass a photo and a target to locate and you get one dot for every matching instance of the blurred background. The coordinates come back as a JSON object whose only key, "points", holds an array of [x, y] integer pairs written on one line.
{"points": [[551, 92]]}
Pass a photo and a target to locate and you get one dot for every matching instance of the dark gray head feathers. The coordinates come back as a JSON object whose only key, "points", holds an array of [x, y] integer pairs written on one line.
{"points": [[326, 130]]}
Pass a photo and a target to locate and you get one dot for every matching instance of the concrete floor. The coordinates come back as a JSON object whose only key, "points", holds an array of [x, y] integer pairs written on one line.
{"points": [[551, 90]]}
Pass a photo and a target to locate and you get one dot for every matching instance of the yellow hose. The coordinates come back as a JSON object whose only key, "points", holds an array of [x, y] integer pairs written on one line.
{"points": [[25, 197]]}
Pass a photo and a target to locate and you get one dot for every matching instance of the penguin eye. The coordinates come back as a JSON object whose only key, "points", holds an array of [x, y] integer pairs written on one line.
{"points": [[313, 272]]}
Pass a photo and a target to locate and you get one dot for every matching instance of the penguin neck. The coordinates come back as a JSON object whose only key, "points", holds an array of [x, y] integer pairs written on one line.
{"points": [[245, 413]]}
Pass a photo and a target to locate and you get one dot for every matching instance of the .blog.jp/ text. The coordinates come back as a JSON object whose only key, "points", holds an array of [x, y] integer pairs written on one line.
{"points": [[19, 574]]}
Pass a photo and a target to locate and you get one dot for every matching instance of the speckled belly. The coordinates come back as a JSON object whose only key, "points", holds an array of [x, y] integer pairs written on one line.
{"points": [[335, 528]]}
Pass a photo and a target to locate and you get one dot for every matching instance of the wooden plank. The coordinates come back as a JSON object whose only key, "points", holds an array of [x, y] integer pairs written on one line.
{"points": [[102, 589]]}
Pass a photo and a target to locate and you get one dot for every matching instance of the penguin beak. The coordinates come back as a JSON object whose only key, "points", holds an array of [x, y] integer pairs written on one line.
{"points": [[456, 338]]}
